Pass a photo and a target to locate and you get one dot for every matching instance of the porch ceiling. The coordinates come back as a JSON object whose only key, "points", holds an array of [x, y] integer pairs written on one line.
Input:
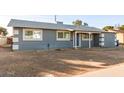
{"points": [[87, 32]]}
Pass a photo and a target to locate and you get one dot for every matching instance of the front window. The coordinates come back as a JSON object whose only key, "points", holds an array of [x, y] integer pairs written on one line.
{"points": [[60, 35], [30, 34], [63, 35]]}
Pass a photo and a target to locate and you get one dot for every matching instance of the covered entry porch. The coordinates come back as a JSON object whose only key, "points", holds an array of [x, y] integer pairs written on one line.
{"points": [[86, 39]]}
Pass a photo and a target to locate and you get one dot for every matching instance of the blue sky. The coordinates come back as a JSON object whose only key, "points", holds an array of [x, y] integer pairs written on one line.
{"points": [[93, 20]]}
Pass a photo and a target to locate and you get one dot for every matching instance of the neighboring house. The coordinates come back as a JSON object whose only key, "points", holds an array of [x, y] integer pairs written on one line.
{"points": [[30, 35], [119, 36], [3, 39]]}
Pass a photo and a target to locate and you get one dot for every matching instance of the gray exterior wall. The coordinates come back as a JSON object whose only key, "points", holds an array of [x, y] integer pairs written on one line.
{"points": [[85, 43], [109, 40], [49, 37]]}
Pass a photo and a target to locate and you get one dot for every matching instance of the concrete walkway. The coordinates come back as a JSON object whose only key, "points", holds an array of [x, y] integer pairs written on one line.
{"points": [[115, 71]]}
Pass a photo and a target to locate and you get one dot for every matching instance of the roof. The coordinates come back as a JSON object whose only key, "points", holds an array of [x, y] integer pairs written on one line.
{"points": [[119, 31], [43, 25], [116, 31]]}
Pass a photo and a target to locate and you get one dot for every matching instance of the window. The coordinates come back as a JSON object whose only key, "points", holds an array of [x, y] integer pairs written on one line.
{"points": [[60, 35], [63, 35], [15, 32], [32, 34], [85, 36]]}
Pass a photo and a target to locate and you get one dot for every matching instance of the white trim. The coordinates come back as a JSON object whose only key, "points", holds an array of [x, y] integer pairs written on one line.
{"points": [[15, 32], [89, 40], [101, 39], [15, 47], [79, 40], [88, 32], [101, 44], [102, 35], [15, 39], [63, 39], [40, 39], [73, 39]]}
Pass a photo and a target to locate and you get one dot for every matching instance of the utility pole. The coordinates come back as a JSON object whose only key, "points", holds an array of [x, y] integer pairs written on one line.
{"points": [[55, 18]]}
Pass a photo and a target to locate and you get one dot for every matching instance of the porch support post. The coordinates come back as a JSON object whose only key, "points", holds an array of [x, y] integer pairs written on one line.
{"points": [[89, 39], [75, 37]]}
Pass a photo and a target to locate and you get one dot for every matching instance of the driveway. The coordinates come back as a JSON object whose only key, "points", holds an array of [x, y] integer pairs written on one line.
{"points": [[115, 71]]}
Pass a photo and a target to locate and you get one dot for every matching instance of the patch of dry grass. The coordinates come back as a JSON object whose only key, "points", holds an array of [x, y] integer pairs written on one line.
{"points": [[66, 62]]}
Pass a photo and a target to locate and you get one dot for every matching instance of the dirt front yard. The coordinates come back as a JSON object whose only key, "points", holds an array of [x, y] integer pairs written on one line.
{"points": [[68, 62]]}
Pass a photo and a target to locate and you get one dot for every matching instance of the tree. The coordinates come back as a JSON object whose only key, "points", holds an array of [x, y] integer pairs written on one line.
{"points": [[85, 24], [3, 31], [121, 27], [79, 23], [106, 28]]}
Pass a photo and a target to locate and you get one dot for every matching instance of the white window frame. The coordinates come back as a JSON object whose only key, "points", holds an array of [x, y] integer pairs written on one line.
{"points": [[101, 39], [102, 44], [102, 35], [25, 39], [15, 32], [63, 39], [15, 47], [15, 39], [87, 38]]}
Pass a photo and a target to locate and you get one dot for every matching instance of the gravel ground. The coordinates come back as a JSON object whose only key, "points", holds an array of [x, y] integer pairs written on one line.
{"points": [[67, 62]]}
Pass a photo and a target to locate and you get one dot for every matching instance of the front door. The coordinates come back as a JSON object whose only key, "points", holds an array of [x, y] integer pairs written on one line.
{"points": [[78, 40]]}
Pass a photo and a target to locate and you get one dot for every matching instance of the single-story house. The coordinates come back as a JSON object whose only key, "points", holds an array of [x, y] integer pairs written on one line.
{"points": [[30, 35]]}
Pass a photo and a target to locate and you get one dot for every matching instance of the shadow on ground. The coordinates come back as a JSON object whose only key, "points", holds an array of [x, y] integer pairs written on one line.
{"points": [[57, 63]]}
